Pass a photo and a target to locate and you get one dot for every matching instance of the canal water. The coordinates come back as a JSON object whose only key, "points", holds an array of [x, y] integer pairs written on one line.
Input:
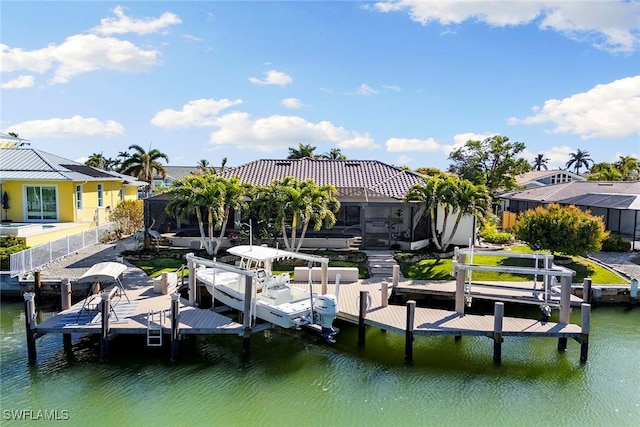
{"points": [[294, 379]]}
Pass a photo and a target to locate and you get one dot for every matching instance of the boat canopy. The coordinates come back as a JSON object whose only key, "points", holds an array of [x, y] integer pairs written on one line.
{"points": [[103, 272], [268, 254]]}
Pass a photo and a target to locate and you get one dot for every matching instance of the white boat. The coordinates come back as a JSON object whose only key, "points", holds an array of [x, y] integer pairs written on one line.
{"points": [[273, 298]]}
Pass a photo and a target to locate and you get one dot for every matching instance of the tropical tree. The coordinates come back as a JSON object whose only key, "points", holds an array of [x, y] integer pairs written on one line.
{"points": [[203, 165], [578, 160], [97, 160], [291, 202], [540, 162], [143, 165], [210, 198], [604, 172], [431, 171], [303, 150], [493, 162], [455, 196], [334, 154], [629, 167]]}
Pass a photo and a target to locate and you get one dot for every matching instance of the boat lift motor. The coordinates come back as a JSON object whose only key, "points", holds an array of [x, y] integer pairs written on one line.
{"points": [[326, 310]]}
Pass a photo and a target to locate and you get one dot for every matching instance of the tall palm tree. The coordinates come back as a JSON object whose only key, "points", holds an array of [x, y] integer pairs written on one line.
{"points": [[604, 172], [143, 165], [540, 162], [578, 160], [334, 154], [303, 150]]}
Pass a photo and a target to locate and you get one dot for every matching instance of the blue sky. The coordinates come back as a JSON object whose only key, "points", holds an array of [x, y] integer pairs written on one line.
{"points": [[403, 82]]}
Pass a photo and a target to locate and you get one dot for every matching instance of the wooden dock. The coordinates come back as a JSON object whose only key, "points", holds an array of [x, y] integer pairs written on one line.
{"points": [[361, 303]]}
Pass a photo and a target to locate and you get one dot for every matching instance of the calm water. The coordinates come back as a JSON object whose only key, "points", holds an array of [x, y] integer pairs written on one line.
{"points": [[296, 380]]}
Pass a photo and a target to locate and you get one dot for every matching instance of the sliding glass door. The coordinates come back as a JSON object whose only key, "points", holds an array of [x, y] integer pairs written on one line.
{"points": [[41, 203]]}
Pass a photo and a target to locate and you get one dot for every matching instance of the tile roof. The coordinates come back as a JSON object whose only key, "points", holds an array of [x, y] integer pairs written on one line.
{"points": [[31, 164], [375, 177], [582, 192]]}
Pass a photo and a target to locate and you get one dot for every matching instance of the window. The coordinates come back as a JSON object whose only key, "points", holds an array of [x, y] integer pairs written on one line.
{"points": [[100, 196], [41, 202], [79, 197], [121, 194]]}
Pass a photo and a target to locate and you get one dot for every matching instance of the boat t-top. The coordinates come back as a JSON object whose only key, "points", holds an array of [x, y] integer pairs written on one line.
{"points": [[273, 298]]}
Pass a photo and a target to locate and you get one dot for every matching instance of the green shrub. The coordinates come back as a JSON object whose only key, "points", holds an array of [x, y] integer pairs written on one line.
{"points": [[616, 244], [9, 245], [490, 233]]}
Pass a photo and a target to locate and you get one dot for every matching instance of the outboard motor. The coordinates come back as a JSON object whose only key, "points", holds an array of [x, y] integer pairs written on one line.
{"points": [[326, 310]]}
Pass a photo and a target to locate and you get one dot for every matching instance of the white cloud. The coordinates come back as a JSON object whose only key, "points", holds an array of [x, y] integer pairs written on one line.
{"points": [[460, 139], [123, 24], [75, 126], [412, 144], [280, 132], [606, 111], [273, 77], [200, 112], [79, 54], [293, 103], [608, 25], [365, 89], [19, 82]]}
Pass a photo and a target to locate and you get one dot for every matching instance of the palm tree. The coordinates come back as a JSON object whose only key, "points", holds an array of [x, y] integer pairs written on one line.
{"points": [[203, 165], [540, 162], [334, 154], [97, 160], [302, 151], [579, 159], [144, 165], [604, 172], [629, 167], [287, 201]]}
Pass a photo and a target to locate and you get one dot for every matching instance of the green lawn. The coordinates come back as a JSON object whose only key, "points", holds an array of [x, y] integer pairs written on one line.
{"points": [[440, 269], [155, 267]]}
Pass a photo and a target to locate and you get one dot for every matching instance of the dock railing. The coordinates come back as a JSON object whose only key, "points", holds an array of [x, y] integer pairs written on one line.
{"points": [[37, 256]]}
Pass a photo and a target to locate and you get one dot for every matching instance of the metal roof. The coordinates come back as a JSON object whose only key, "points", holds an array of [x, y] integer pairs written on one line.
{"points": [[29, 164]]}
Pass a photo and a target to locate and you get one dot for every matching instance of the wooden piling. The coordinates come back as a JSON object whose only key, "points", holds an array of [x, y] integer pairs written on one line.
{"points": [[460, 278], [105, 307], [192, 282], [29, 322], [585, 312], [37, 286], [65, 295], [164, 283], [324, 277], [396, 275], [246, 315], [408, 337], [384, 294], [362, 312], [565, 308], [175, 299], [498, 315], [586, 290]]}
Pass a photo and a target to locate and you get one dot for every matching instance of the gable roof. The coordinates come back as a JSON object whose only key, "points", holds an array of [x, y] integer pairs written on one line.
{"points": [[606, 194], [374, 178], [537, 176], [29, 164]]}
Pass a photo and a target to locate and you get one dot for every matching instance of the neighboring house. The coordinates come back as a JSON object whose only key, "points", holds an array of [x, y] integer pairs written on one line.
{"points": [[534, 179], [617, 202], [42, 188], [371, 195], [173, 173]]}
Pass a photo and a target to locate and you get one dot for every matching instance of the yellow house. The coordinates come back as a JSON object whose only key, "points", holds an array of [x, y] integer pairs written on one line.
{"points": [[46, 197]]}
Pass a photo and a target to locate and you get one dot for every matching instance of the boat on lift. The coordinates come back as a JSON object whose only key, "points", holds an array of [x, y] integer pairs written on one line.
{"points": [[273, 297]]}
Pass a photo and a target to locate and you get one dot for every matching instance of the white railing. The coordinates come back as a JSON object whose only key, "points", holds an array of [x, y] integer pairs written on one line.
{"points": [[37, 256]]}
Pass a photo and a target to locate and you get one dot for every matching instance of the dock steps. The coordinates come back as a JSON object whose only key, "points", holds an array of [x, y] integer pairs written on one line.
{"points": [[154, 328]]}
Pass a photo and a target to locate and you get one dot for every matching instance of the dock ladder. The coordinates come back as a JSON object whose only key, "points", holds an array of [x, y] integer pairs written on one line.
{"points": [[155, 319]]}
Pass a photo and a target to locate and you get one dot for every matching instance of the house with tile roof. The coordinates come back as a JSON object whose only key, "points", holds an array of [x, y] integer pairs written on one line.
{"points": [[541, 178], [42, 188], [371, 195], [617, 202]]}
